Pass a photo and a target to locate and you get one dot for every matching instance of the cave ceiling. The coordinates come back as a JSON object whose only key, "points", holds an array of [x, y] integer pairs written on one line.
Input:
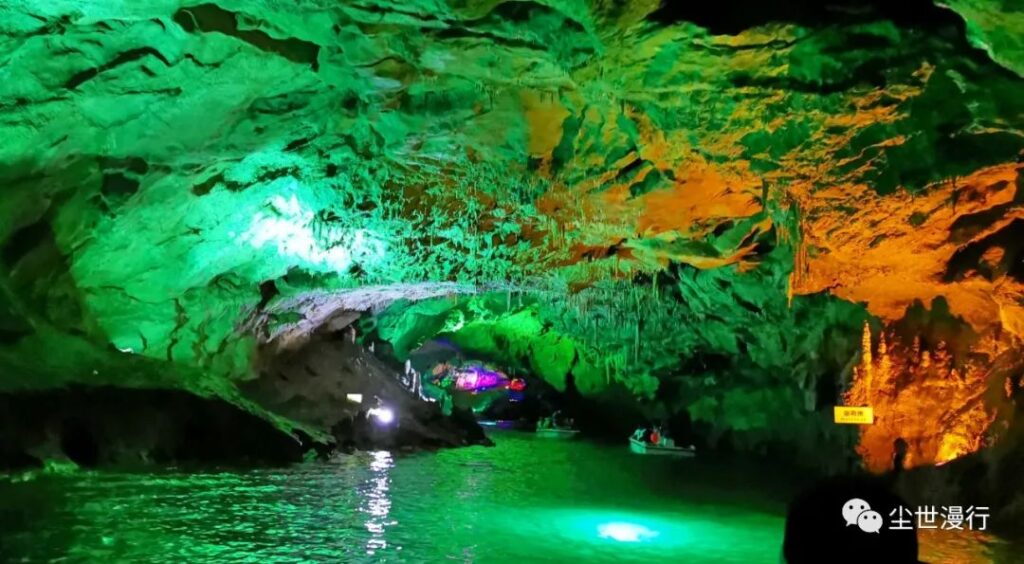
{"points": [[648, 184]]}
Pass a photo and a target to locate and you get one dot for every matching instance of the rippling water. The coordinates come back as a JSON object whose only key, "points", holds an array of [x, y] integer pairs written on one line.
{"points": [[526, 500]]}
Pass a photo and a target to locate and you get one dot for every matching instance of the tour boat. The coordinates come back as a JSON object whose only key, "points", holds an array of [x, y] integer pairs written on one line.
{"points": [[501, 424], [642, 447]]}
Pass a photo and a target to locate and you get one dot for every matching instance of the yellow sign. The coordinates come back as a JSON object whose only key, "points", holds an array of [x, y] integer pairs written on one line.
{"points": [[854, 415]]}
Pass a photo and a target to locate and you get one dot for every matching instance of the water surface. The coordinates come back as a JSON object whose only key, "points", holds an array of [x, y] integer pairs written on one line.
{"points": [[526, 500]]}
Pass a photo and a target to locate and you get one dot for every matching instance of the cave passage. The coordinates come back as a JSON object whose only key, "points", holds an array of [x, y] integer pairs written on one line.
{"points": [[512, 281]]}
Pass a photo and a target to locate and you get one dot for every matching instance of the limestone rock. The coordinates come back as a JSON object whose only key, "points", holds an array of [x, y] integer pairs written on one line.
{"points": [[688, 202]]}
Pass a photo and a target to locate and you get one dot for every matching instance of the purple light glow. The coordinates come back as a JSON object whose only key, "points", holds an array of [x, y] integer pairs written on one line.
{"points": [[476, 378]]}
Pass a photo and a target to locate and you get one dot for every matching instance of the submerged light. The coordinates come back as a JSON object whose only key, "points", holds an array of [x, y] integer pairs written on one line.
{"points": [[382, 414], [625, 532]]}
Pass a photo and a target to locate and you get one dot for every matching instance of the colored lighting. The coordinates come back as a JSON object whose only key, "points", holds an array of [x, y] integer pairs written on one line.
{"points": [[383, 415], [625, 532], [476, 378], [291, 227]]}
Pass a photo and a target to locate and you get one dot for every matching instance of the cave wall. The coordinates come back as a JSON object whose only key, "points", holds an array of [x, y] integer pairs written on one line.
{"points": [[90, 426], [312, 384], [701, 206]]}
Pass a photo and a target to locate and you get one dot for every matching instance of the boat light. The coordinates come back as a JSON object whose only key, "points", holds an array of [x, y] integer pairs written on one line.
{"points": [[383, 415]]}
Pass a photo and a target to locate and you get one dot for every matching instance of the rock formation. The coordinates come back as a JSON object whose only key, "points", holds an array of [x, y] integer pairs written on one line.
{"points": [[693, 207]]}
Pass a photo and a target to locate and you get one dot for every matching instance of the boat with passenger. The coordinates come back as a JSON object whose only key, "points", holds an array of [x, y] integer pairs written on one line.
{"points": [[654, 442], [557, 427]]}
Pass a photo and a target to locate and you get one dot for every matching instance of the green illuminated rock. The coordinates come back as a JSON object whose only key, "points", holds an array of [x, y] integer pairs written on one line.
{"points": [[604, 194], [995, 27]]}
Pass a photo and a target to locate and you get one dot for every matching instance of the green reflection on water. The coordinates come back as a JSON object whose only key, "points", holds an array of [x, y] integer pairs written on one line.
{"points": [[625, 531], [527, 500]]}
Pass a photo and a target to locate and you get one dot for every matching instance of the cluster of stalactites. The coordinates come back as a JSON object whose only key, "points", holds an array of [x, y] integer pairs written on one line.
{"points": [[921, 397]]}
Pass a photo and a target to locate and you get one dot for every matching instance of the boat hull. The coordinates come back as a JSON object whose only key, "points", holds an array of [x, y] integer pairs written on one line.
{"points": [[558, 433], [501, 424], [641, 447]]}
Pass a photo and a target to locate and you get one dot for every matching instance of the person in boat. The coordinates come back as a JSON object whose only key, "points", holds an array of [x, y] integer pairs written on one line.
{"points": [[659, 437]]}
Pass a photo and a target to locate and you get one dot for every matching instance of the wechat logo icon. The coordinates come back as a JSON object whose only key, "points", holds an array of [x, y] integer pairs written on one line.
{"points": [[858, 512]]}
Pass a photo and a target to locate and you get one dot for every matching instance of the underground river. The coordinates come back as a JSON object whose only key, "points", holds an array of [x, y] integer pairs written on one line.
{"points": [[525, 500]]}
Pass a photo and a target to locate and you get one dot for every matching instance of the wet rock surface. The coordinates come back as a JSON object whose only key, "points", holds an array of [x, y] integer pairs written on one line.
{"points": [[989, 479], [692, 208], [314, 385], [106, 426]]}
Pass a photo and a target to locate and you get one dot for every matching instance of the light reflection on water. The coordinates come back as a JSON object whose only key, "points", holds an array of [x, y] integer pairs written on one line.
{"points": [[376, 502], [527, 500]]}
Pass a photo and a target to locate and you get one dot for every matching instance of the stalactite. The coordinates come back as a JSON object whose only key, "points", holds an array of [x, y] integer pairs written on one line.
{"points": [[910, 391], [867, 362], [884, 374], [636, 343], [941, 357]]}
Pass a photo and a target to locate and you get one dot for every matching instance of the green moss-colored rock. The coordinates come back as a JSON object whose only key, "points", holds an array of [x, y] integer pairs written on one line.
{"points": [[619, 198]]}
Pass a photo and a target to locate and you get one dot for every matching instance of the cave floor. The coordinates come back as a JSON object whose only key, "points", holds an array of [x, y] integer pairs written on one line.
{"points": [[527, 500]]}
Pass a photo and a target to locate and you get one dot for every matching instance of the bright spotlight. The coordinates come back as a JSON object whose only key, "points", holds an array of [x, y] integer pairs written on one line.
{"points": [[625, 532], [383, 415]]}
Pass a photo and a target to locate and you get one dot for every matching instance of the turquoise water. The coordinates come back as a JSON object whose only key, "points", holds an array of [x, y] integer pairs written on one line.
{"points": [[526, 500]]}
